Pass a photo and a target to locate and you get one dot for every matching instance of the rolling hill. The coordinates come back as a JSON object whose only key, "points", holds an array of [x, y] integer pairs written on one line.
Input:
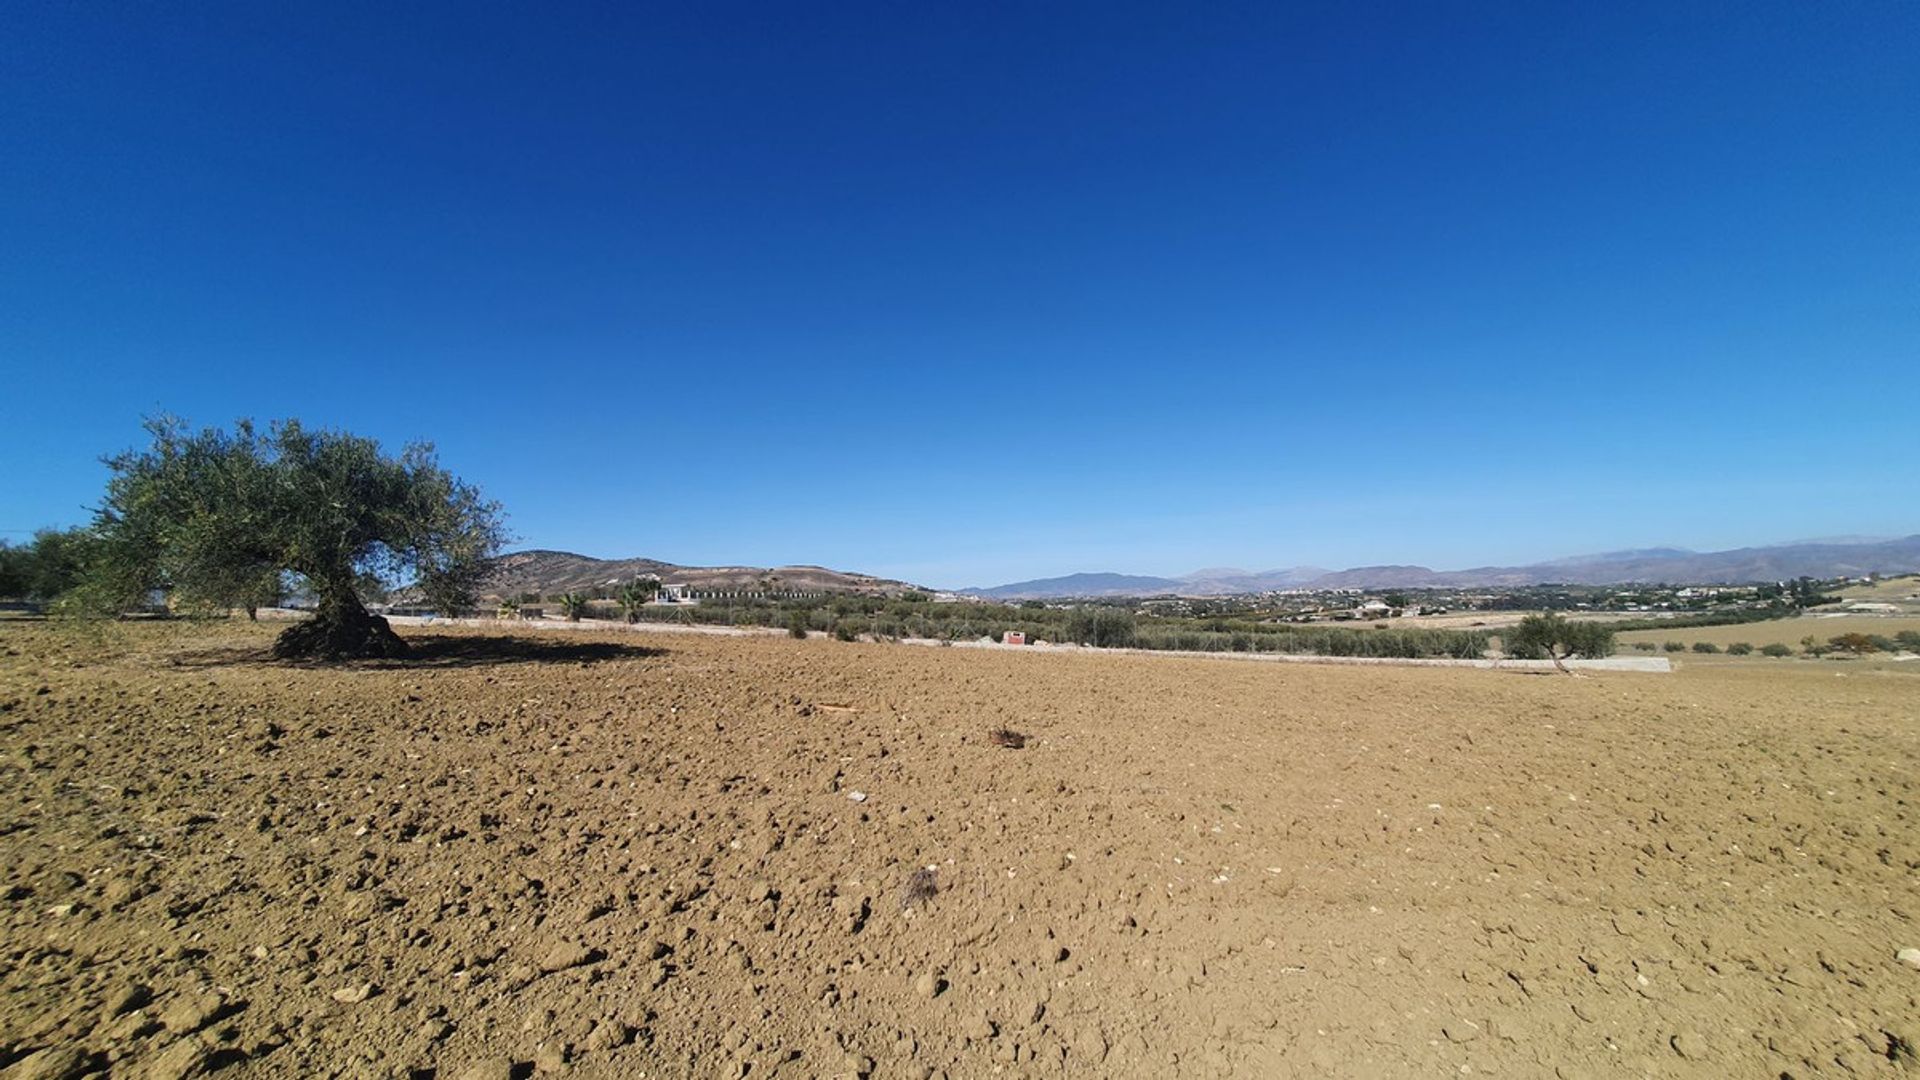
{"points": [[549, 572]]}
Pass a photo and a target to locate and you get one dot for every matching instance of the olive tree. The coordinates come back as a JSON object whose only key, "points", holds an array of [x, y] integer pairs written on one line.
{"points": [[211, 515], [1554, 638]]}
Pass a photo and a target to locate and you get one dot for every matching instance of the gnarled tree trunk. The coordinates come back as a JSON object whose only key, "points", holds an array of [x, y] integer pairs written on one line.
{"points": [[341, 629]]}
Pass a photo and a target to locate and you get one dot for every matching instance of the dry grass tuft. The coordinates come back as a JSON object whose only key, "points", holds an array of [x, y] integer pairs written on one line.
{"points": [[919, 889], [1008, 738]]}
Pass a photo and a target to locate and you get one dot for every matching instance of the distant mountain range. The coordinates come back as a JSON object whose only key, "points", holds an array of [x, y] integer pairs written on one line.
{"points": [[550, 572], [1821, 559]]}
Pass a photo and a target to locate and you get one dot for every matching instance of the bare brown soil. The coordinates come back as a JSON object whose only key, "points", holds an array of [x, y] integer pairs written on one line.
{"points": [[711, 856], [1822, 628]]}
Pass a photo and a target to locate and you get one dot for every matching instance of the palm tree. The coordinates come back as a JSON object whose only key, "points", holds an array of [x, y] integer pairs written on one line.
{"points": [[574, 605]]}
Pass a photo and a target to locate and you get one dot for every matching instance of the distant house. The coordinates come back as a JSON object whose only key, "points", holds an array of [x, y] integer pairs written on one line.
{"points": [[674, 594], [1871, 607], [1014, 637], [1374, 607]]}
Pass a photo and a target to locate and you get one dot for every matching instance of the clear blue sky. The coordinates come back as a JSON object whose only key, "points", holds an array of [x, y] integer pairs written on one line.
{"points": [[966, 293]]}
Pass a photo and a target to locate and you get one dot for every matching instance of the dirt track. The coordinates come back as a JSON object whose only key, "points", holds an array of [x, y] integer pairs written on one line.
{"points": [[617, 857]]}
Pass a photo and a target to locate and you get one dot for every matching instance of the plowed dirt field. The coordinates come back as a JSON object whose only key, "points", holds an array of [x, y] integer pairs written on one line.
{"points": [[678, 855]]}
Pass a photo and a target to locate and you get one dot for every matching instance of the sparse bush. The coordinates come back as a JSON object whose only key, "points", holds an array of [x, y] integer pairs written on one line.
{"points": [[797, 625], [1908, 639], [1674, 646], [1776, 649], [1854, 643], [1645, 646], [846, 630], [1739, 648], [1705, 647]]}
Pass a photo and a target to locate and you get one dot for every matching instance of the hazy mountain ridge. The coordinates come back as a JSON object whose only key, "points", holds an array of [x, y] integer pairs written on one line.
{"points": [[1659, 564]]}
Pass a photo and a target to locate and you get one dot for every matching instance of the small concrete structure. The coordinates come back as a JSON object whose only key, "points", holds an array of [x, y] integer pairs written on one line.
{"points": [[1014, 637]]}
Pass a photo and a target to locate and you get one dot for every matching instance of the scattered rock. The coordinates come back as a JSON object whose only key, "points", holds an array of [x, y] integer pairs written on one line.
{"points": [[353, 995], [929, 985], [53, 1063], [551, 1057], [1909, 956], [979, 1027], [186, 1058], [126, 999], [1689, 1045], [1089, 1046], [189, 1014], [566, 955], [608, 1034], [490, 1069]]}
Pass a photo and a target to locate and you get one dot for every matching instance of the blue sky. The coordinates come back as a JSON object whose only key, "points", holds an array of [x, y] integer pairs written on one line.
{"points": [[972, 293]]}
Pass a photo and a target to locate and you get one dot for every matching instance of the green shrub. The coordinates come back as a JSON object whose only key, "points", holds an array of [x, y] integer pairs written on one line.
{"points": [[1705, 647], [797, 624], [1674, 646], [846, 630], [1739, 648], [1645, 646], [1776, 649], [1908, 639]]}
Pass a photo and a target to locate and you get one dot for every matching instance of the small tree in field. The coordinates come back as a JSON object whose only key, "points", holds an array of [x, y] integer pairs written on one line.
{"points": [[213, 516], [573, 605], [1554, 638]]}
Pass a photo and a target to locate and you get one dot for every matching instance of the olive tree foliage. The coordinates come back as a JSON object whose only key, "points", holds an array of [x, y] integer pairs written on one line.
{"points": [[47, 568], [1102, 627], [212, 516], [1554, 638]]}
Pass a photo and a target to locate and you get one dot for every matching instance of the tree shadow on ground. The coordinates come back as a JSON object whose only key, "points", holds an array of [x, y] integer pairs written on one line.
{"points": [[433, 650], [441, 651]]}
